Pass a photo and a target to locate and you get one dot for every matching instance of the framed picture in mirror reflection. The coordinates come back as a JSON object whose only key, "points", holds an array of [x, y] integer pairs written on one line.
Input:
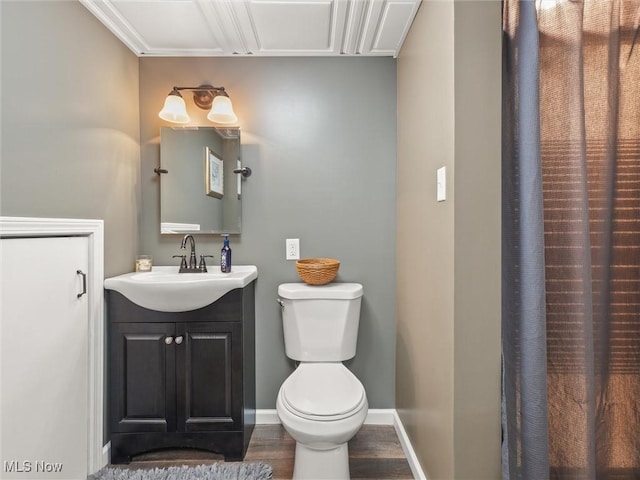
{"points": [[214, 174]]}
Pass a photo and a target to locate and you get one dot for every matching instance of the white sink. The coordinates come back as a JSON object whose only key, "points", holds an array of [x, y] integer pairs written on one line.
{"points": [[165, 290]]}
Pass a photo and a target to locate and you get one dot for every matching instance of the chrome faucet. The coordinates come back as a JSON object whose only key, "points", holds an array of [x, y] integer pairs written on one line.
{"points": [[192, 258]]}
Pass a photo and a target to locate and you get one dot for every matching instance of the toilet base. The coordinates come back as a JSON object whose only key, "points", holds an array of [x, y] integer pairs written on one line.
{"points": [[321, 464]]}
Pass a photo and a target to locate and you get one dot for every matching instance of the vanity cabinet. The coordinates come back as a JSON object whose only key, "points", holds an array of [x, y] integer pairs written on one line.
{"points": [[182, 379]]}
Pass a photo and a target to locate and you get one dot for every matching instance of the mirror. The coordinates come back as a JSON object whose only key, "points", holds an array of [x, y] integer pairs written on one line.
{"points": [[200, 193]]}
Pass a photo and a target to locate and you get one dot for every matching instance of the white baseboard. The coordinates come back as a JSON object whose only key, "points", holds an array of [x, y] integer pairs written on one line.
{"points": [[106, 454], [409, 452], [379, 416], [266, 416], [375, 416]]}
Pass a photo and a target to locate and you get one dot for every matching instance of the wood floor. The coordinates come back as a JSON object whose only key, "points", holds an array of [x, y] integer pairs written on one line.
{"points": [[374, 453]]}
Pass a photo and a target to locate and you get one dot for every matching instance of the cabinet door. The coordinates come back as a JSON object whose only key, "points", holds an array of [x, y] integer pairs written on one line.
{"points": [[142, 377], [43, 356], [209, 376]]}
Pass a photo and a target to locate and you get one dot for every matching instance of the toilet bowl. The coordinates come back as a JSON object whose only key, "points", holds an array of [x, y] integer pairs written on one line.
{"points": [[322, 404]]}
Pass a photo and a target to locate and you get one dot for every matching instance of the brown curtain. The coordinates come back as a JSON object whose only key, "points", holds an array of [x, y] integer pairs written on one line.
{"points": [[589, 108]]}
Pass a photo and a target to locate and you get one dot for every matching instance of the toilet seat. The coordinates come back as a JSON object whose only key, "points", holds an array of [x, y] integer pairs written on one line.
{"points": [[323, 392]]}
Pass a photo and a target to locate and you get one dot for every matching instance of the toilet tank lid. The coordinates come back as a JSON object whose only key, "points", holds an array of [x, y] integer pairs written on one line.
{"points": [[340, 291]]}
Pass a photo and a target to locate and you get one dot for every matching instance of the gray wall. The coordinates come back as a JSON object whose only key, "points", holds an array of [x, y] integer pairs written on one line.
{"points": [[70, 144], [448, 354], [320, 136]]}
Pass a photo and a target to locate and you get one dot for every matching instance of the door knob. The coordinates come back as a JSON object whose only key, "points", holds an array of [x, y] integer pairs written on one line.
{"points": [[168, 340], [179, 340]]}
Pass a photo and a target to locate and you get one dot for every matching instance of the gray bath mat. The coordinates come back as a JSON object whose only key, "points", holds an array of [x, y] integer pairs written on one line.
{"points": [[216, 471]]}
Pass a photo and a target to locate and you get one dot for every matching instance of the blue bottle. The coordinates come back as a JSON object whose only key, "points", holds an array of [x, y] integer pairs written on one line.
{"points": [[225, 255]]}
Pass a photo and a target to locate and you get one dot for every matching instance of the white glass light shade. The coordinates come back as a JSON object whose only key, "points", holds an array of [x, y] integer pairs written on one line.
{"points": [[222, 111], [174, 110]]}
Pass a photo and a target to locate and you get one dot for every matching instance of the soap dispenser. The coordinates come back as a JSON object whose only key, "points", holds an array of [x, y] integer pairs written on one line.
{"points": [[225, 255]]}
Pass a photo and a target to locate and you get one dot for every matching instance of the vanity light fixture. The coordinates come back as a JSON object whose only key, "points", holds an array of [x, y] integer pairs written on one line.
{"points": [[205, 97]]}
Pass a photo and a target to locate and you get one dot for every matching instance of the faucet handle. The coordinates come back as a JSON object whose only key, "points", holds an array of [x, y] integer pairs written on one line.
{"points": [[183, 262], [203, 265]]}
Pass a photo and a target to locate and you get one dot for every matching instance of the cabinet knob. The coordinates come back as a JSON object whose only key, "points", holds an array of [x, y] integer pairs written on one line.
{"points": [[179, 340], [168, 340]]}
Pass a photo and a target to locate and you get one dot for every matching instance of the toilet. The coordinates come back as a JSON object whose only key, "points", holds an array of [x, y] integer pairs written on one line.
{"points": [[321, 404]]}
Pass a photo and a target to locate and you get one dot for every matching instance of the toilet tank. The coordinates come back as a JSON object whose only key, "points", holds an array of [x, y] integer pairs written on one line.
{"points": [[320, 322]]}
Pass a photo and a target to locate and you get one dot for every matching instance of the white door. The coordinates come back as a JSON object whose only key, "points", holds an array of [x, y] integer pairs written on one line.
{"points": [[44, 358]]}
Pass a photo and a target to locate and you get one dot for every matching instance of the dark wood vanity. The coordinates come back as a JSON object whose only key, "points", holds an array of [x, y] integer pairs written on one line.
{"points": [[182, 379]]}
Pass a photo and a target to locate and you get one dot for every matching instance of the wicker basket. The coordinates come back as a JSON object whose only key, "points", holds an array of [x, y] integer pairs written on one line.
{"points": [[317, 271]]}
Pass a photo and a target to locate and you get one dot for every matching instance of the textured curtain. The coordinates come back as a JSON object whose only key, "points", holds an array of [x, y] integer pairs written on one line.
{"points": [[571, 239]]}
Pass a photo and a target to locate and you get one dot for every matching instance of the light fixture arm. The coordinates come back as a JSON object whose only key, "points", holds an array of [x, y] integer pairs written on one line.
{"points": [[202, 88], [203, 95]]}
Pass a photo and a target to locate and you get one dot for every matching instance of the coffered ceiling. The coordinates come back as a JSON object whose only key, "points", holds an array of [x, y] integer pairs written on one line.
{"points": [[258, 27]]}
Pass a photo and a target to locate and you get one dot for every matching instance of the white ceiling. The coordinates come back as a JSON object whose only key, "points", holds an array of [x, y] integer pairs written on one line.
{"points": [[258, 27]]}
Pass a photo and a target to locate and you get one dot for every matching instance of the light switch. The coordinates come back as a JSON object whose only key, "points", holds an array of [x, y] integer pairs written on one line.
{"points": [[441, 185]]}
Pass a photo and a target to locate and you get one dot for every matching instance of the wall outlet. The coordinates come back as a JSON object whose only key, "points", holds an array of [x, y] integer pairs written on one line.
{"points": [[293, 248]]}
